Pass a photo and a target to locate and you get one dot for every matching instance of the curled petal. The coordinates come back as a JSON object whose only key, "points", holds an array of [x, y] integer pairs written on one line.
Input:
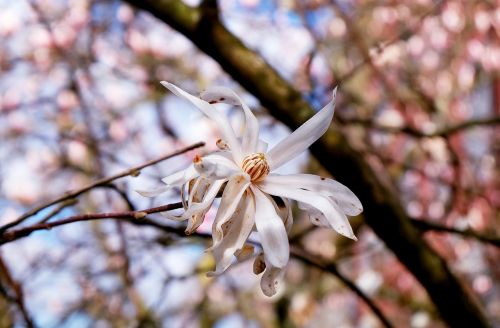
{"points": [[324, 204], [235, 188], [303, 137], [343, 196], [272, 232], [198, 208], [181, 177], [237, 230], [271, 279], [228, 96], [209, 110], [215, 167]]}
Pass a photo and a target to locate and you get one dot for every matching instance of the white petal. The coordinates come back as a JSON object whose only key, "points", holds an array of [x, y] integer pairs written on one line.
{"points": [[303, 137], [233, 192], [228, 96], [154, 192], [237, 230], [325, 205], [181, 177], [284, 210], [272, 277], [209, 110], [343, 196], [272, 232], [262, 147], [197, 209], [215, 167]]}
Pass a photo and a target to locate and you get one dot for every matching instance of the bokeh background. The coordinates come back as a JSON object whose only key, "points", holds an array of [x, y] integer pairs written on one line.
{"points": [[419, 103]]}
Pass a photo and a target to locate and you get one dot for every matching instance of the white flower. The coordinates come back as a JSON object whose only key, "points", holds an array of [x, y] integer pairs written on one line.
{"points": [[254, 197]]}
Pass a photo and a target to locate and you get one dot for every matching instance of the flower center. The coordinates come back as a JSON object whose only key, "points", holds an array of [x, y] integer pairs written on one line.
{"points": [[256, 166]]}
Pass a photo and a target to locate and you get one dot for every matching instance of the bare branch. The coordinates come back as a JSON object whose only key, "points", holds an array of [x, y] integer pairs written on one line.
{"points": [[133, 172], [300, 254], [425, 225]]}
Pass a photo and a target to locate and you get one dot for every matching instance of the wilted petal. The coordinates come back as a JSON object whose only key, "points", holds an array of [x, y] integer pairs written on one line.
{"points": [[272, 232], [237, 230], [284, 210], [235, 188], [303, 137], [209, 110], [198, 208], [228, 96], [343, 196], [324, 204], [181, 177], [316, 217], [272, 277], [215, 167]]}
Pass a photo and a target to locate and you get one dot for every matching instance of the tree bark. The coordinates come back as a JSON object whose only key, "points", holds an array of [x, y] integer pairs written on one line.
{"points": [[383, 211]]}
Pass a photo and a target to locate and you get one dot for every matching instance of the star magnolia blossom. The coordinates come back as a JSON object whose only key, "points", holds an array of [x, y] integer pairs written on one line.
{"points": [[254, 197]]}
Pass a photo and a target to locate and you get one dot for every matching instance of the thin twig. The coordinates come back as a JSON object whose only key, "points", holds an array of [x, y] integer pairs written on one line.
{"points": [[133, 171], [444, 132], [425, 225], [126, 215], [332, 268], [18, 292]]}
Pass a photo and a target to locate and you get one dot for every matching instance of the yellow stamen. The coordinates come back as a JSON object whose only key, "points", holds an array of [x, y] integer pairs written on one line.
{"points": [[256, 166]]}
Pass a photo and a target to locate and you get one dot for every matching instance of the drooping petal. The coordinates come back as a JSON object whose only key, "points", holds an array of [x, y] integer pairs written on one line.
{"points": [[303, 137], [271, 279], [197, 210], [181, 177], [284, 210], [272, 232], [215, 167], [209, 110], [324, 204], [235, 188], [237, 230], [343, 196], [228, 96]]}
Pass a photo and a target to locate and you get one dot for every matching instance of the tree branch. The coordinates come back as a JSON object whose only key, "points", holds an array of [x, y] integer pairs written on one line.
{"points": [[431, 226], [303, 256], [383, 211], [444, 132], [133, 171]]}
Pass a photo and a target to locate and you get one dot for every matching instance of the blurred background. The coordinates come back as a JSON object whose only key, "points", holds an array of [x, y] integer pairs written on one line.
{"points": [[80, 99]]}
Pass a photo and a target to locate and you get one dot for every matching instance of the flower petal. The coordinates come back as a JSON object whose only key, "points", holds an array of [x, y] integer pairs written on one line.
{"points": [[235, 188], [284, 210], [197, 209], [155, 192], [303, 137], [209, 110], [271, 279], [324, 204], [181, 177], [272, 232], [215, 167], [228, 96], [343, 196], [237, 230]]}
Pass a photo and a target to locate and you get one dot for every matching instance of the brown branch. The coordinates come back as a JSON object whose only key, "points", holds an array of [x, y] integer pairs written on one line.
{"points": [[425, 225], [18, 291], [10, 236], [133, 172], [300, 254], [444, 132]]}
